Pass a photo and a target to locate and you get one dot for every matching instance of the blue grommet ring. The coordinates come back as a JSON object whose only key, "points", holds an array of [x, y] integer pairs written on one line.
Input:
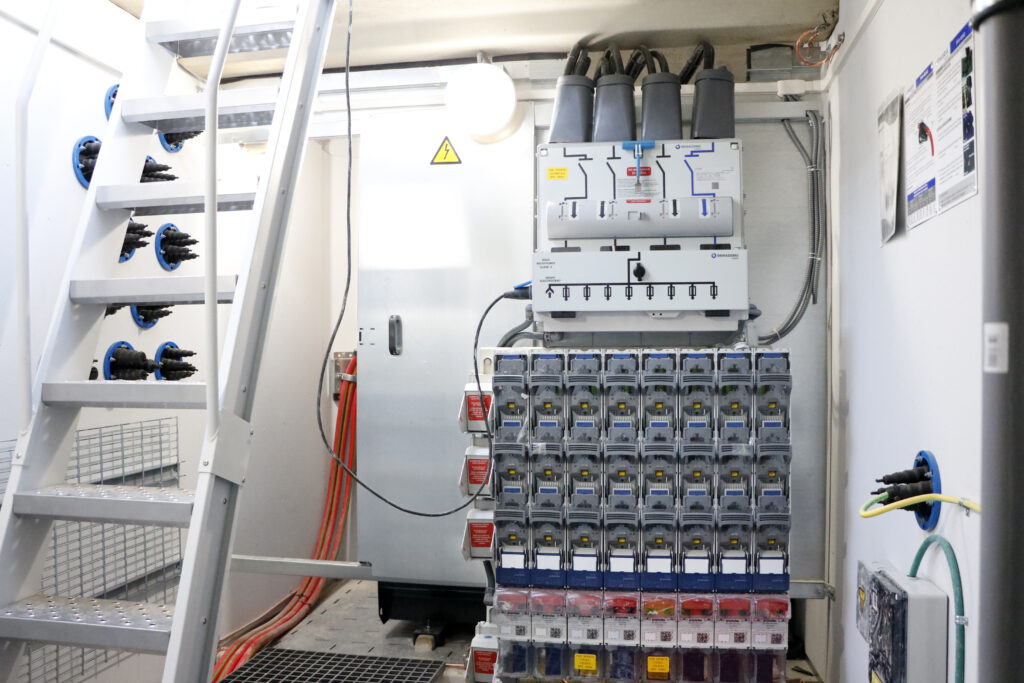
{"points": [[138, 319], [159, 357], [158, 240], [169, 146], [75, 159], [929, 520], [108, 100], [109, 356]]}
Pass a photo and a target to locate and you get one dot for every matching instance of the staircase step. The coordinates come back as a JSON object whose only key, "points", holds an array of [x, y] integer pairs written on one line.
{"points": [[124, 394], [257, 31], [158, 199], [88, 622], [152, 505], [183, 113], [150, 290]]}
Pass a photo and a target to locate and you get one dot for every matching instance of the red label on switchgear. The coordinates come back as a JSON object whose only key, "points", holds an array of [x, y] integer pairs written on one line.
{"points": [[476, 413], [477, 471], [480, 534], [644, 170], [484, 661]]}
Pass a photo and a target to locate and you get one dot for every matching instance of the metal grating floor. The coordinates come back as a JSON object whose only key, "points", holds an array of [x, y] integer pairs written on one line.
{"points": [[297, 666]]}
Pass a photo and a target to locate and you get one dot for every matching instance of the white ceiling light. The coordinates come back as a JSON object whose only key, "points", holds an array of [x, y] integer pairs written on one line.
{"points": [[482, 99]]}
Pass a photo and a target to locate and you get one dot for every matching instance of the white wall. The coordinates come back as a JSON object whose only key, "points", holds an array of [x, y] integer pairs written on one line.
{"points": [[908, 328]]}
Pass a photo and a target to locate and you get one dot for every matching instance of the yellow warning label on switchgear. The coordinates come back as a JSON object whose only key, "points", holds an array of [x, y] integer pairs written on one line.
{"points": [[658, 668], [875, 678], [446, 154], [584, 662], [558, 173]]}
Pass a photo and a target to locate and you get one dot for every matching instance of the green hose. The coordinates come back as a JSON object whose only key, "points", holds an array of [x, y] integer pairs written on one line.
{"points": [[958, 595]]}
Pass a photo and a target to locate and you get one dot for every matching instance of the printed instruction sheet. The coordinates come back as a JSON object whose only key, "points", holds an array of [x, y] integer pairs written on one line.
{"points": [[939, 145]]}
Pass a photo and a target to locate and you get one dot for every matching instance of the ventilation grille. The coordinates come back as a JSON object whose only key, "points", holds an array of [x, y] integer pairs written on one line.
{"points": [[297, 666]]}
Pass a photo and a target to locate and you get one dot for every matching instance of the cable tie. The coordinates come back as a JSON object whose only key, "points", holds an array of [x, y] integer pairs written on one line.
{"points": [[346, 377], [960, 620]]}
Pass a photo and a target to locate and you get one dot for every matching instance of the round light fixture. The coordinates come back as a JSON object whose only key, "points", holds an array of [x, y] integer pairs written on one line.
{"points": [[482, 99]]}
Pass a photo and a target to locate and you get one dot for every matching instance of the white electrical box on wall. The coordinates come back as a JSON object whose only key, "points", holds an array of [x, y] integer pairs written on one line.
{"points": [[641, 235]]}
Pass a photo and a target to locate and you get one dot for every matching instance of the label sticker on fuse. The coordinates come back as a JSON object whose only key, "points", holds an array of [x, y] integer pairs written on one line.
{"points": [[584, 662], [997, 348], [658, 668]]}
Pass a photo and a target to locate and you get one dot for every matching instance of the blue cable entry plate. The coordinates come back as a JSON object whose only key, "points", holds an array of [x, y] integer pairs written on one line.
{"points": [[75, 157], [108, 100], [771, 583], [109, 356], [138, 319], [173, 148], [159, 355], [696, 583], [928, 521], [158, 239]]}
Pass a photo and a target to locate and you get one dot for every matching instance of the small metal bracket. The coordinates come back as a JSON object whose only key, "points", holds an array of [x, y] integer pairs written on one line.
{"points": [[341, 359], [228, 455]]}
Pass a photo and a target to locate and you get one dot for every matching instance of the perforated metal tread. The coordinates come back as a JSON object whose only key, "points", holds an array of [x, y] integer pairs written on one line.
{"points": [[88, 622], [180, 113], [298, 666], [156, 505]]}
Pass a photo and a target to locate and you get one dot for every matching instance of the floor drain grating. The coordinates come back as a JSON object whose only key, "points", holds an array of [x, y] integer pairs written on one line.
{"points": [[299, 666]]}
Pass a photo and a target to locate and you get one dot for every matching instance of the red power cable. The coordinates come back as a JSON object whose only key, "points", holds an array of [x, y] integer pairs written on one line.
{"points": [[331, 531]]}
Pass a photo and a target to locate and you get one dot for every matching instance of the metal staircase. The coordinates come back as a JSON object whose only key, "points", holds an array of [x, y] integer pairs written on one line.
{"points": [[37, 493]]}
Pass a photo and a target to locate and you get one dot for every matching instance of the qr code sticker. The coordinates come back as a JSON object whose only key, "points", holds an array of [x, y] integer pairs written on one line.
{"points": [[593, 634], [739, 637], [666, 637], [629, 635], [704, 637], [556, 632], [520, 630], [776, 639]]}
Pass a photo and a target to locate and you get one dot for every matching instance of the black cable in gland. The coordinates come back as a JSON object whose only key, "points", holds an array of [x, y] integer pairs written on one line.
{"points": [[172, 142], [113, 308], [172, 246], [147, 316], [134, 238], [83, 158], [172, 368], [153, 172], [122, 361]]}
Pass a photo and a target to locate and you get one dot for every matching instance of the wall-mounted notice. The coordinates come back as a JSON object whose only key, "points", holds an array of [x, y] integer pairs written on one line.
{"points": [[889, 127], [939, 146]]}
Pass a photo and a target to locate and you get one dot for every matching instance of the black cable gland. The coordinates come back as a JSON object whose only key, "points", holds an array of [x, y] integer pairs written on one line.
{"points": [[90, 149], [910, 476], [113, 308], [151, 167]]}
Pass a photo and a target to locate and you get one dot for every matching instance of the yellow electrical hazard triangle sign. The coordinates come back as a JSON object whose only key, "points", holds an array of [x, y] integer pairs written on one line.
{"points": [[446, 154]]}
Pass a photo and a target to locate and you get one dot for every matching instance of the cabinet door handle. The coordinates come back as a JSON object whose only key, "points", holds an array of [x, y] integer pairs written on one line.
{"points": [[395, 335]]}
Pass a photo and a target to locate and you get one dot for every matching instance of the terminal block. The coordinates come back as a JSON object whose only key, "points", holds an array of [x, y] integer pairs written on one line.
{"points": [[697, 469], [734, 533], [696, 543], [658, 634], [772, 406], [622, 548], [511, 617], [622, 472], [511, 541], [735, 394], [585, 616], [695, 428], [621, 397], [771, 468], [658, 571], [622, 636], [584, 399], [511, 474], [619, 363], [772, 362], [585, 546], [772, 523], [510, 403], [547, 463], [659, 474], [696, 363], [583, 463], [770, 626], [547, 400], [548, 534], [735, 469], [548, 622], [658, 391], [697, 616], [733, 661]]}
